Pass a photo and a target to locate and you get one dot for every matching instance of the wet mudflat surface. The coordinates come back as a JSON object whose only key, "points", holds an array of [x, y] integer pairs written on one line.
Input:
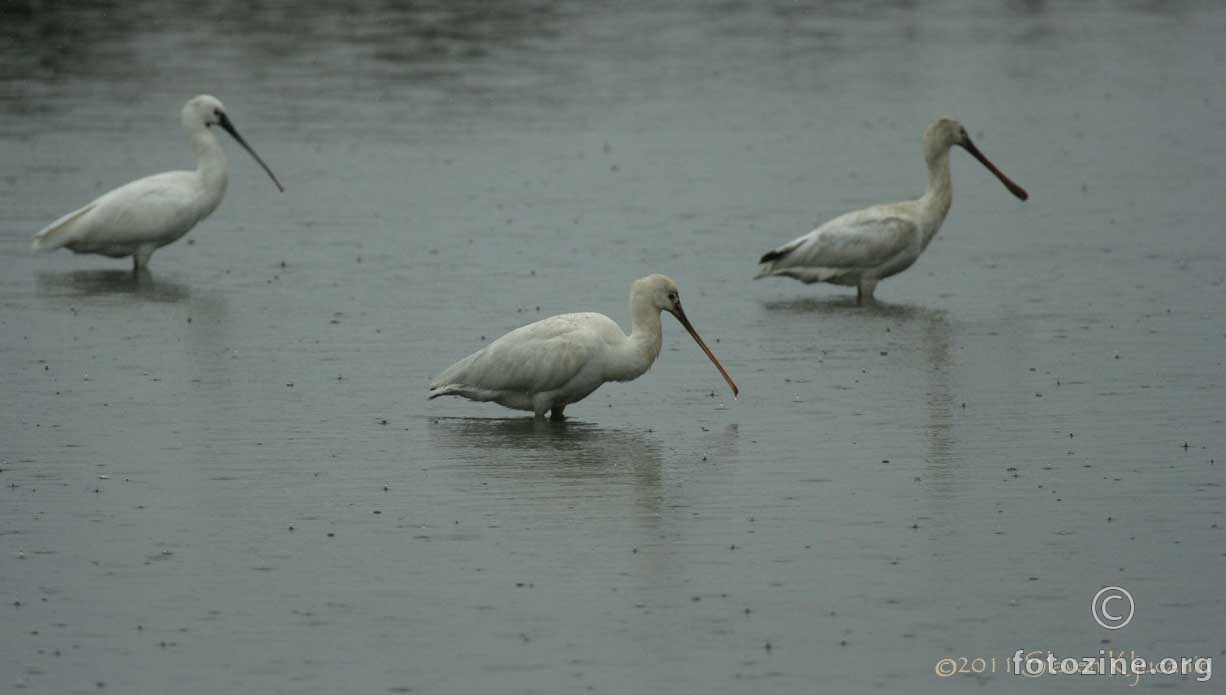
{"points": [[224, 476]]}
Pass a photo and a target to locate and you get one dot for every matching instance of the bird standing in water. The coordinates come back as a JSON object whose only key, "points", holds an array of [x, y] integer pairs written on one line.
{"points": [[547, 365], [140, 217], [861, 248]]}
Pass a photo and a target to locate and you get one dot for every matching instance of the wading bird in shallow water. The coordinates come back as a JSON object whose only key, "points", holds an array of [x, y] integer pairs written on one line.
{"points": [[547, 365], [860, 248], [140, 217]]}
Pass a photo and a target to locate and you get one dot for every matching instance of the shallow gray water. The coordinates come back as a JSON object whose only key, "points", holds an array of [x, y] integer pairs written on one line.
{"points": [[224, 477]]}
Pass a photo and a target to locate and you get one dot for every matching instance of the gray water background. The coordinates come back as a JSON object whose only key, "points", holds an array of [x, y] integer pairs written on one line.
{"points": [[225, 477]]}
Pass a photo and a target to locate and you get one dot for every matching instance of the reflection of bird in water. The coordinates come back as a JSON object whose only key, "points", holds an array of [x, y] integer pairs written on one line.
{"points": [[925, 334], [860, 248], [585, 456], [144, 215], [98, 283], [936, 342], [579, 444], [832, 307]]}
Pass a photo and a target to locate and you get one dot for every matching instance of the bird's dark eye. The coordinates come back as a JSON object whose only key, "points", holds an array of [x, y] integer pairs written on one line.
{"points": [[672, 296], [217, 112]]}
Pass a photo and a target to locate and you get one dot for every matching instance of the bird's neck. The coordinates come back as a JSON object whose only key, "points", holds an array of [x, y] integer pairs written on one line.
{"points": [[934, 206], [210, 160], [643, 345]]}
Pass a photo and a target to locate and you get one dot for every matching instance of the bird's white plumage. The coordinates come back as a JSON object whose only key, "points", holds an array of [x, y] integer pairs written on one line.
{"points": [[153, 211], [141, 216], [860, 248], [554, 362], [566, 354], [884, 237]]}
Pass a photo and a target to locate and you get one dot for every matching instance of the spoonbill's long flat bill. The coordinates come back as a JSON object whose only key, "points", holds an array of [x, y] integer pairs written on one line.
{"points": [[860, 248], [547, 365], [140, 217]]}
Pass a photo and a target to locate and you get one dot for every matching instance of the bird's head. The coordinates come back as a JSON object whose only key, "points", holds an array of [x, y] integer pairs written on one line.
{"points": [[204, 111], [945, 132], [661, 293]]}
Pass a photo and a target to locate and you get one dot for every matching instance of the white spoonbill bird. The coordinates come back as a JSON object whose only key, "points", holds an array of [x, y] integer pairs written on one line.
{"points": [[860, 248], [140, 217], [547, 365]]}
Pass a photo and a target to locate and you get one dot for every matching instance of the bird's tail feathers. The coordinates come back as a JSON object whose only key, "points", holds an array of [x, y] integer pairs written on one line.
{"points": [[769, 260], [774, 254], [59, 232], [437, 390]]}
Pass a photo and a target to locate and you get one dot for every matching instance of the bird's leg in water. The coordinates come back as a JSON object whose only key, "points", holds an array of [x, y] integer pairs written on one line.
{"points": [[540, 406], [140, 259], [555, 413], [864, 291]]}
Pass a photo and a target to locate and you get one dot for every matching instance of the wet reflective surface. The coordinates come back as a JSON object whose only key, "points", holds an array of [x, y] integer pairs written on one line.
{"points": [[223, 475]]}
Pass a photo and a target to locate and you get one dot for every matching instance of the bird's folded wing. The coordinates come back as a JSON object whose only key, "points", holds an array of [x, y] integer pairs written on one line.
{"points": [[538, 357], [140, 211], [853, 242], [61, 231], [145, 209]]}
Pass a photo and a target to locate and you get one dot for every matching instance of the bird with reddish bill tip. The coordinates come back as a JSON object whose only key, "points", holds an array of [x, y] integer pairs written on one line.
{"points": [[861, 248], [547, 365], [144, 215]]}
